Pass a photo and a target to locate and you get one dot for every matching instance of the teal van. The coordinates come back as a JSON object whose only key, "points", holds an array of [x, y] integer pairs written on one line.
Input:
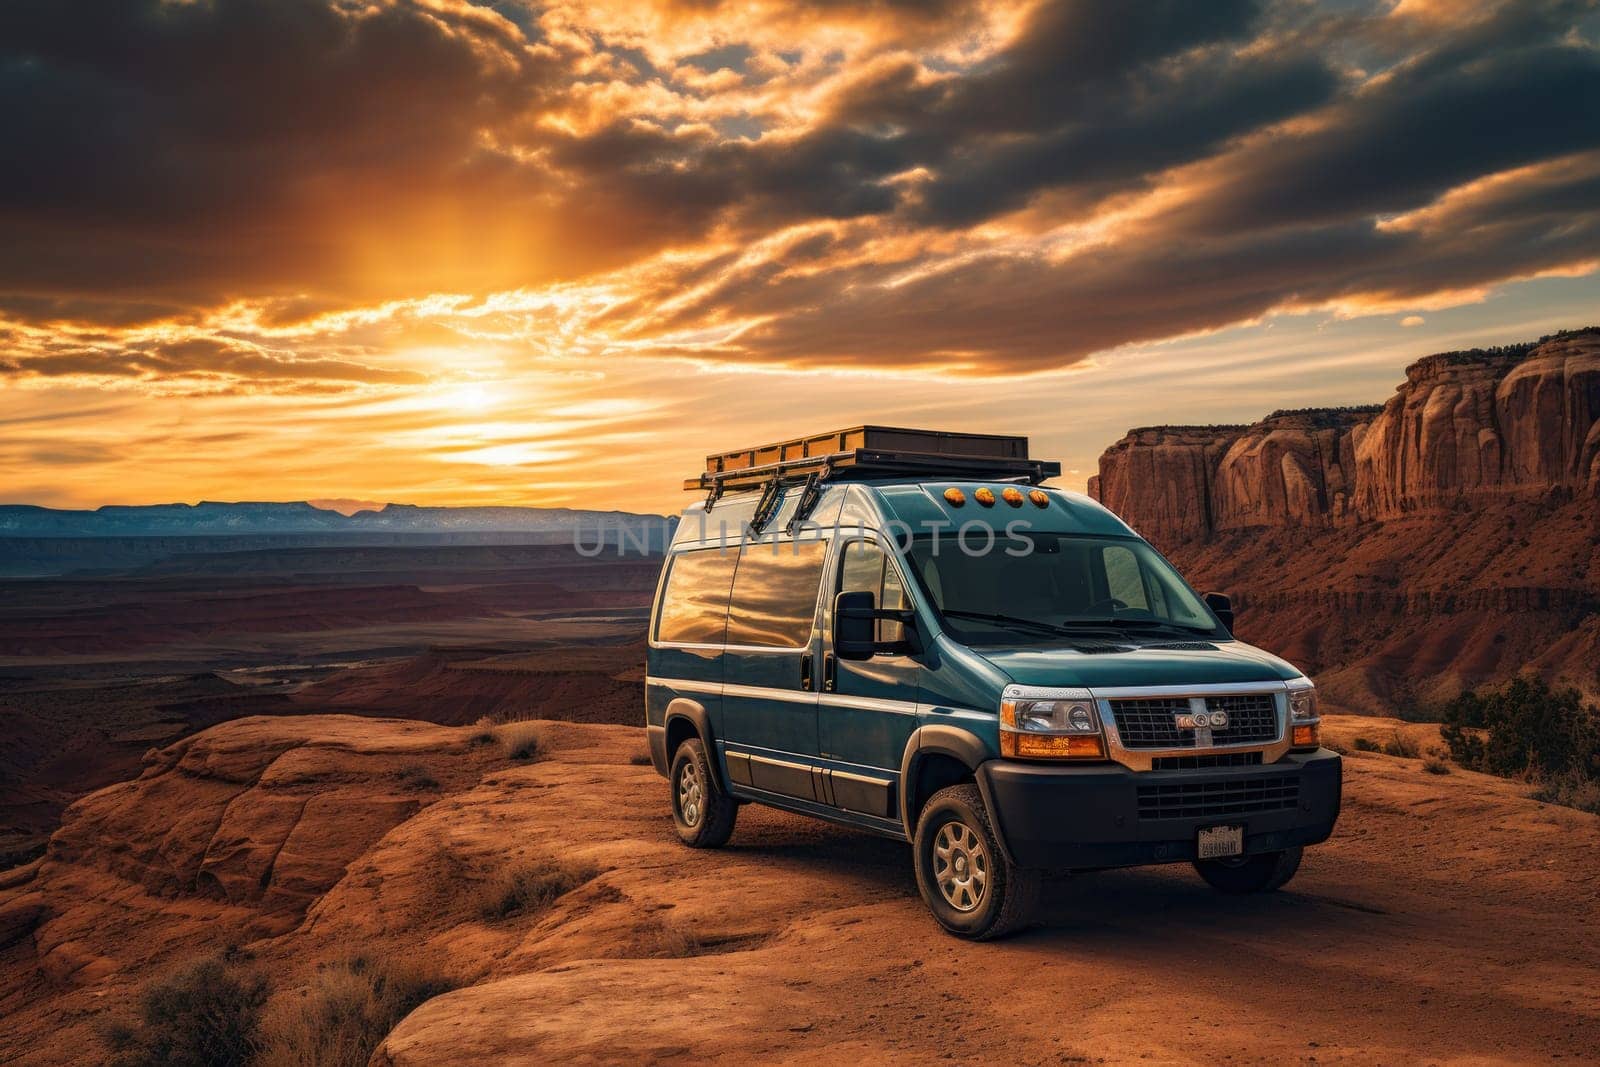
{"points": [[901, 631]]}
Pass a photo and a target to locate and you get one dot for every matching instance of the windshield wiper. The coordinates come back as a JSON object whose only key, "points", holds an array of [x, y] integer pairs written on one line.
{"points": [[1144, 624], [1007, 620]]}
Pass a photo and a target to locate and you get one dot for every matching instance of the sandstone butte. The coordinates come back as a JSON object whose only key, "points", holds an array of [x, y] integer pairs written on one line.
{"points": [[1520, 423], [1451, 918], [1447, 538]]}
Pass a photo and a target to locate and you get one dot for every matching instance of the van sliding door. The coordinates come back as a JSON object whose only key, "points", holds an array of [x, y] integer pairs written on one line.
{"points": [[769, 670]]}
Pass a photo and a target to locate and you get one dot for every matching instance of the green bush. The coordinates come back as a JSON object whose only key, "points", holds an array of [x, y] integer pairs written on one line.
{"points": [[349, 1008], [1532, 732], [204, 1015]]}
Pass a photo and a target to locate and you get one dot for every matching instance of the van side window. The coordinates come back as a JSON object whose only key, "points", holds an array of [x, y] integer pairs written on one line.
{"points": [[775, 594], [1123, 578], [694, 608], [865, 568]]}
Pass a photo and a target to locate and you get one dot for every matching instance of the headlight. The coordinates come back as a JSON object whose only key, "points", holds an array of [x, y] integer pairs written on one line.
{"points": [[1046, 716], [1303, 714], [1303, 703], [1049, 724]]}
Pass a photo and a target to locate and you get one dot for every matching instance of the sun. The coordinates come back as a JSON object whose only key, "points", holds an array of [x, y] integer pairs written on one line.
{"points": [[472, 397]]}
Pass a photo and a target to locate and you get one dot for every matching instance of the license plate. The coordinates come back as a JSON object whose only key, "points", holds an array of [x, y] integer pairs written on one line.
{"points": [[1219, 841]]}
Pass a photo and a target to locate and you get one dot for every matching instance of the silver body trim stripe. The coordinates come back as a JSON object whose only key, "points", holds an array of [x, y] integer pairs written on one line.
{"points": [[803, 696]]}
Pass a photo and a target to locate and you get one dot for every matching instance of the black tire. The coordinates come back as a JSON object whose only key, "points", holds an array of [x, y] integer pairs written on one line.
{"points": [[969, 887], [702, 813], [1251, 874]]}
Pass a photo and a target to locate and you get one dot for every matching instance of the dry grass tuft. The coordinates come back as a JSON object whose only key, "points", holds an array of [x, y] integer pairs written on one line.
{"points": [[640, 759], [1367, 744], [520, 740], [417, 777], [203, 1015], [1402, 746], [349, 1008], [530, 888]]}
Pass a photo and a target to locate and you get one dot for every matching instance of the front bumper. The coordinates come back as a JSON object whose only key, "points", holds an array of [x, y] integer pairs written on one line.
{"points": [[1104, 815]]}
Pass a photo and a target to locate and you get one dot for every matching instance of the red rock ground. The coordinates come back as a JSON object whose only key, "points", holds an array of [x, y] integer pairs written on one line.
{"points": [[1450, 919]]}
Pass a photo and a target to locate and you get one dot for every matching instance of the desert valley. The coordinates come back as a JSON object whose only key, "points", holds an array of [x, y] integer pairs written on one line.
{"points": [[355, 757]]}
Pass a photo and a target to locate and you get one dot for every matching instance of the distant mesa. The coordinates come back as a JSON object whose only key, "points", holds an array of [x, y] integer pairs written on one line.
{"points": [[347, 506], [300, 517]]}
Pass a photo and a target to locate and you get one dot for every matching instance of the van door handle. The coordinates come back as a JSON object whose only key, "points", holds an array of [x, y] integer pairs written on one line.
{"points": [[805, 672], [827, 672]]}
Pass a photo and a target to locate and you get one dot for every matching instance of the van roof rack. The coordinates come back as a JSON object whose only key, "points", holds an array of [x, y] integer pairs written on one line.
{"points": [[871, 452]]}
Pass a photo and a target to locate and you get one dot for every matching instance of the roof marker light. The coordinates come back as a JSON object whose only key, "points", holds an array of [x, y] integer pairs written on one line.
{"points": [[984, 496], [1040, 498], [1012, 495], [955, 496]]}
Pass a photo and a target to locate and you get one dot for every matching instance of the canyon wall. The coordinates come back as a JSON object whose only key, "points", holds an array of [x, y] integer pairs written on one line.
{"points": [[1519, 422], [1448, 538]]}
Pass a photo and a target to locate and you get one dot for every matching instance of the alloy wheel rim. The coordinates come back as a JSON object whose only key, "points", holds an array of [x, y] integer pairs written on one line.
{"points": [[960, 866], [690, 796]]}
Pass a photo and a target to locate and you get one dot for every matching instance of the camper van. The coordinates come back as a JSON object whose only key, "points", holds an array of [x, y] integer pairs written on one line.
{"points": [[905, 632]]}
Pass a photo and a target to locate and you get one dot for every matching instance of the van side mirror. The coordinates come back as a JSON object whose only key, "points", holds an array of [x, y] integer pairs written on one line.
{"points": [[1222, 607], [855, 625]]}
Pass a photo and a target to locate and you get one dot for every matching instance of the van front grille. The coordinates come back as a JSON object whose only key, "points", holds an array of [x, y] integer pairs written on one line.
{"points": [[1193, 763], [1251, 717], [1206, 800], [1151, 722]]}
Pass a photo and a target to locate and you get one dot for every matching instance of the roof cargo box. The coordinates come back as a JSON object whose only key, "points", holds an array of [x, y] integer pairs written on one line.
{"points": [[875, 452]]}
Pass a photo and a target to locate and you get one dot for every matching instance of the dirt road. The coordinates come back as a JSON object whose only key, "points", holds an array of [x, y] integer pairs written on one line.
{"points": [[1450, 920]]}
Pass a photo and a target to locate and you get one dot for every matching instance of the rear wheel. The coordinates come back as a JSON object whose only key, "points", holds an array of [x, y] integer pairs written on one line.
{"points": [[1251, 874], [702, 813], [962, 872]]}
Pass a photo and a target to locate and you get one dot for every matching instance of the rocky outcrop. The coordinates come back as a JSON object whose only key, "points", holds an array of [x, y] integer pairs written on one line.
{"points": [[1522, 421]]}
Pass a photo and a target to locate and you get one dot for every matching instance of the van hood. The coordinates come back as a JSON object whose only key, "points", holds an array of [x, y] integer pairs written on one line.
{"points": [[1227, 662]]}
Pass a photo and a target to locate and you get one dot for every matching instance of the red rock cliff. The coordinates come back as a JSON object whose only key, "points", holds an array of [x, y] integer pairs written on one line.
{"points": [[1514, 422]]}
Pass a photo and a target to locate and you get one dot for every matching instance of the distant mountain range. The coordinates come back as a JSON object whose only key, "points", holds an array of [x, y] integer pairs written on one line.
{"points": [[210, 517]]}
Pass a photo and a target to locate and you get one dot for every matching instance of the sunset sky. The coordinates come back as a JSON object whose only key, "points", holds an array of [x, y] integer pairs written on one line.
{"points": [[513, 252]]}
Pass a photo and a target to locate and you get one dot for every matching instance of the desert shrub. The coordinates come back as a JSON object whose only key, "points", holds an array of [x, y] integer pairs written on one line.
{"points": [[1435, 765], [1532, 732], [640, 759], [520, 740], [1525, 729], [1572, 791], [1401, 745], [349, 1008], [418, 777], [484, 735], [203, 1015], [1367, 744], [530, 888]]}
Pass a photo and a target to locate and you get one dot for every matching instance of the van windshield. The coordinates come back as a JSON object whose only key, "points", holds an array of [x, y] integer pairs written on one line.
{"points": [[1042, 586]]}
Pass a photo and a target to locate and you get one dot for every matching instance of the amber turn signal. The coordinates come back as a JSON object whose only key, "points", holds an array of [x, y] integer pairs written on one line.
{"points": [[1305, 735], [1022, 744], [955, 496]]}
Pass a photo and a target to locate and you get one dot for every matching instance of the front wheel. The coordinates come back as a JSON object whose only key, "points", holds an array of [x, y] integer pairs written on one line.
{"points": [[1251, 874], [963, 874], [702, 813]]}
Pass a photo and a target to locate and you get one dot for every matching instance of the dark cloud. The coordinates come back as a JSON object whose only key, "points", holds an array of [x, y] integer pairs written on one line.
{"points": [[200, 357], [310, 156]]}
